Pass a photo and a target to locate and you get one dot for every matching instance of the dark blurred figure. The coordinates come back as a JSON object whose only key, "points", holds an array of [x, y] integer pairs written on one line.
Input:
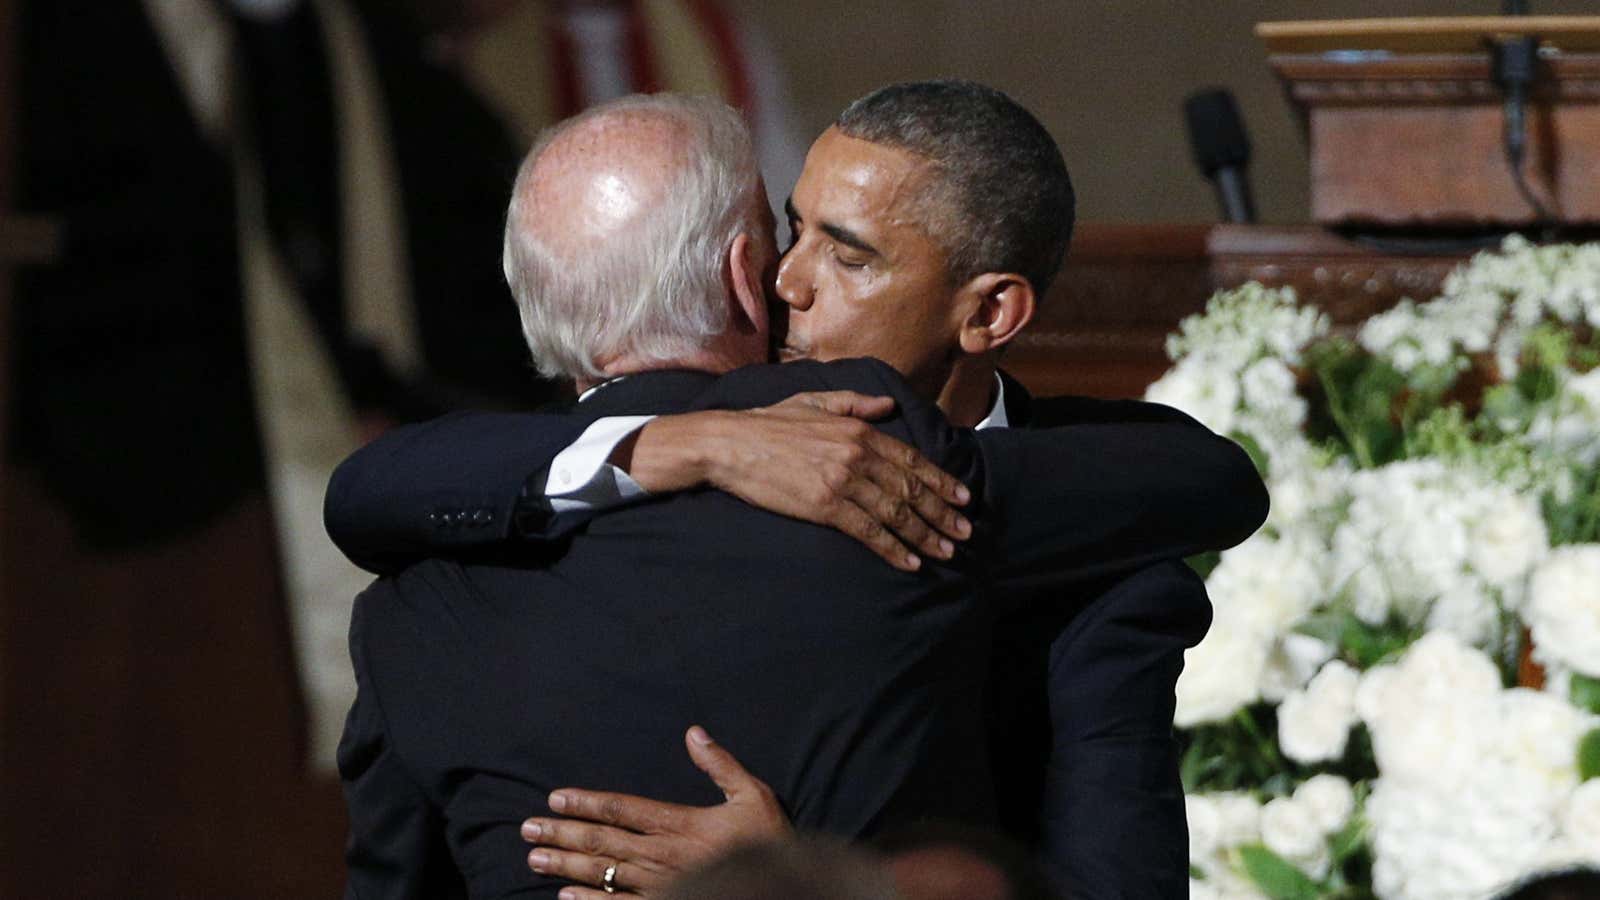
{"points": [[925, 862], [811, 868], [1571, 884], [281, 231], [936, 861]]}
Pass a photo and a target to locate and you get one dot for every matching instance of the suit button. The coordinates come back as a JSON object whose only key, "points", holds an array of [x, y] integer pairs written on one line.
{"points": [[482, 517], [437, 518]]}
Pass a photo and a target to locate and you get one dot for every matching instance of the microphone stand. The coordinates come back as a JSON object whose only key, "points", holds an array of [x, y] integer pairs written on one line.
{"points": [[1516, 64]]}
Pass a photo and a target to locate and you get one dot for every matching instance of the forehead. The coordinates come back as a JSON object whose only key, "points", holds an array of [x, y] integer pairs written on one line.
{"points": [[861, 184]]}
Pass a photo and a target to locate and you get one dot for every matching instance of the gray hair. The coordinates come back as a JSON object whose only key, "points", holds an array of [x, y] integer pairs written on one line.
{"points": [[658, 295], [1000, 199]]}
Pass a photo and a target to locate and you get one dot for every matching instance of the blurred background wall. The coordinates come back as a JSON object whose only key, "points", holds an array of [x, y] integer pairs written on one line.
{"points": [[1107, 78]]}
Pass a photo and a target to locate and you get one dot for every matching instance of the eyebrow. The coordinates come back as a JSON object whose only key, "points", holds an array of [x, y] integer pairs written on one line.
{"points": [[838, 232]]}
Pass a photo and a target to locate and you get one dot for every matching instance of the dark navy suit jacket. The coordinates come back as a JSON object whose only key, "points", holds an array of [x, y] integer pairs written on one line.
{"points": [[1064, 518]]}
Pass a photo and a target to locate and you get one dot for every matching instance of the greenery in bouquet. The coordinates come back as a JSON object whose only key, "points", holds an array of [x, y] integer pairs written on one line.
{"points": [[1399, 696]]}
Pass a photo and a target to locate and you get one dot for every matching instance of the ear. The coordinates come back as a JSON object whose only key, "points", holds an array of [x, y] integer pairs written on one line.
{"points": [[745, 290], [1002, 304]]}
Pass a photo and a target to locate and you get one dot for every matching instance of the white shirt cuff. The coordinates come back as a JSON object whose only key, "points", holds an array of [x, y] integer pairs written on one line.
{"points": [[581, 480]]}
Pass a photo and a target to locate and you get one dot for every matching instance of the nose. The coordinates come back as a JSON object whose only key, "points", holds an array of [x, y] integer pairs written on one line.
{"points": [[791, 284]]}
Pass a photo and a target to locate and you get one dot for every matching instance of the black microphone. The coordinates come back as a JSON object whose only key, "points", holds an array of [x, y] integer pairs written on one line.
{"points": [[1221, 149], [1515, 69]]}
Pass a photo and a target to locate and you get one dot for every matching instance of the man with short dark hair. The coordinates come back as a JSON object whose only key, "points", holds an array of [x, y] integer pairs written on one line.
{"points": [[927, 222]]}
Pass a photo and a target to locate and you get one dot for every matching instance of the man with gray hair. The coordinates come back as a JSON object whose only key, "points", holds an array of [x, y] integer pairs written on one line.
{"points": [[854, 689]]}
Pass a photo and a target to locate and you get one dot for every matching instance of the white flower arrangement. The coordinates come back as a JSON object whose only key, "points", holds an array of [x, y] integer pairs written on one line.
{"points": [[1400, 693]]}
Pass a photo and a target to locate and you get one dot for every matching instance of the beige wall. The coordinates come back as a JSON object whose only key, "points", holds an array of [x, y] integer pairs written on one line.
{"points": [[1107, 78]]}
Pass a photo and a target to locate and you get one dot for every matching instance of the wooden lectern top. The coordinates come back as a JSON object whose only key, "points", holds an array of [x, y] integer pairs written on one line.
{"points": [[1454, 34]]}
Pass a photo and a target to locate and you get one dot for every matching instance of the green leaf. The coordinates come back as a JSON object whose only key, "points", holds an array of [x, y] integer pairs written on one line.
{"points": [[1367, 645], [1275, 876], [1252, 449], [1204, 563], [1586, 692], [1589, 756], [1349, 840], [1327, 627]]}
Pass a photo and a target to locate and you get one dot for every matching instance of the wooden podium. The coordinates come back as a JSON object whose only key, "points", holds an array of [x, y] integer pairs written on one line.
{"points": [[1403, 122], [1403, 119]]}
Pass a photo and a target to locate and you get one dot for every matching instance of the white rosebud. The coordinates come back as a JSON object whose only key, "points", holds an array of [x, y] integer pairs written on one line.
{"points": [[1289, 830], [1314, 724], [1330, 800], [1563, 608], [1220, 675]]}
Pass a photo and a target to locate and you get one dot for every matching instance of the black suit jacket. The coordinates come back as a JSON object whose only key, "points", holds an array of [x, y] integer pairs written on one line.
{"points": [[853, 689], [1084, 754]]}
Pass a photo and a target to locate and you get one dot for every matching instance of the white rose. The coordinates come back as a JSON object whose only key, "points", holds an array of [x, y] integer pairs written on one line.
{"points": [[1372, 694], [1314, 724], [1220, 675], [1265, 585], [1289, 829], [1509, 539], [1429, 713], [1580, 820], [1538, 737], [1330, 800], [1291, 664], [1563, 609], [1238, 818], [1205, 827], [1203, 387], [1465, 609]]}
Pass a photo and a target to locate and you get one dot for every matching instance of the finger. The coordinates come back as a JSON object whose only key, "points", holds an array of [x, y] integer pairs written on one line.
{"points": [[640, 814], [583, 893], [925, 501], [591, 870], [880, 494], [715, 760], [905, 457], [844, 403], [864, 527], [586, 838]]}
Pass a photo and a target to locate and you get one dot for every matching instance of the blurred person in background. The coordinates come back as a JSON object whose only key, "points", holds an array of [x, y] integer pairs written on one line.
{"points": [[547, 60], [277, 223]]}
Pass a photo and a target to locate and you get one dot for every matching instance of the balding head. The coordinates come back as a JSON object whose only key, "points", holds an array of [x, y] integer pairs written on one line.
{"points": [[619, 235]]}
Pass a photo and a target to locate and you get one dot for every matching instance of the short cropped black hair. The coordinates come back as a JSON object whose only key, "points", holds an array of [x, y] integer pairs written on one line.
{"points": [[1000, 199]]}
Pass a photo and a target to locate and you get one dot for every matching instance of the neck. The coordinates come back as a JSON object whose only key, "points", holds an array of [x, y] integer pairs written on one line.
{"points": [[968, 395]]}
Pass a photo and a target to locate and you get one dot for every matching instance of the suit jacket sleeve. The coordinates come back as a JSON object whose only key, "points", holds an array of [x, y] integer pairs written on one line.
{"points": [[1088, 501], [1110, 812], [397, 848], [453, 484], [1235, 499]]}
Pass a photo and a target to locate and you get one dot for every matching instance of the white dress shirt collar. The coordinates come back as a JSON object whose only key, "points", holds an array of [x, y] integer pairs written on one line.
{"points": [[997, 413]]}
